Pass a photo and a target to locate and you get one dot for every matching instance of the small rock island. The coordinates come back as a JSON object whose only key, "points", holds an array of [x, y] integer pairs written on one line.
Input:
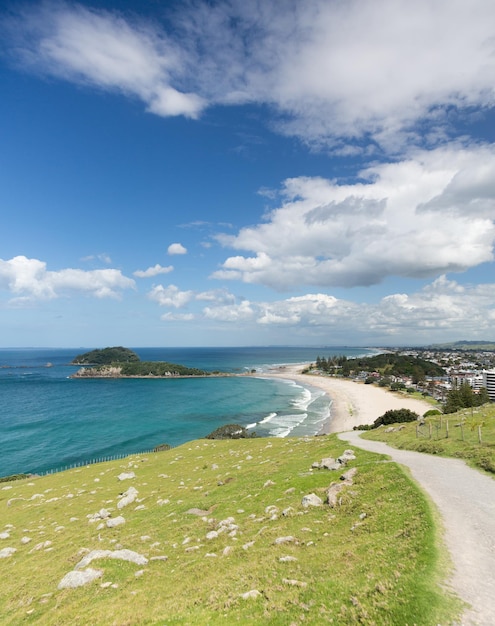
{"points": [[119, 362]]}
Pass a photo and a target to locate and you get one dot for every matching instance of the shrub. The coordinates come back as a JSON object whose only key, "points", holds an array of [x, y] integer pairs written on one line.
{"points": [[395, 416], [231, 431], [432, 412]]}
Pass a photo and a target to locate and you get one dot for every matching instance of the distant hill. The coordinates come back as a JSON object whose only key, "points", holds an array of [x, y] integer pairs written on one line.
{"points": [[106, 356], [475, 346]]}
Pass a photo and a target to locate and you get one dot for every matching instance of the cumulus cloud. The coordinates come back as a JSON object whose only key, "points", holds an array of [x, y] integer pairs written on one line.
{"points": [[170, 296], [443, 308], [30, 279], [330, 71], [153, 271], [218, 300], [420, 217], [230, 313], [176, 248]]}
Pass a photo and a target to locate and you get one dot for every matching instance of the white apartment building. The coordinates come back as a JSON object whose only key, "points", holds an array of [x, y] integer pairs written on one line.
{"points": [[475, 381], [489, 383]]}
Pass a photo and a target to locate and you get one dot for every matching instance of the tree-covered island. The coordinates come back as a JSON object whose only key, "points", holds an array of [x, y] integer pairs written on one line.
{"points": [[118, 362]]}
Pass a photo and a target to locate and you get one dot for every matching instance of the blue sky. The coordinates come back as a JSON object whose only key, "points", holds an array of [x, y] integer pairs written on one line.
{"points": [[247, 173]]}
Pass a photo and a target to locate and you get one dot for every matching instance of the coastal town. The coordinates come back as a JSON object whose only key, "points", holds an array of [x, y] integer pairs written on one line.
{"points": [[454, 367]]}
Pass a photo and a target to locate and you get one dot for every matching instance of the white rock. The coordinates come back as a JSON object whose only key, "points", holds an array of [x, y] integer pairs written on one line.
{"points": [[41, 546], [115, 521], [126, 475], [4, 535], [5, 552], [127, 498], [212, 534], [311, 500], [281, 540], [254, 593], [78, 579], [25, 540], [123, 555]]}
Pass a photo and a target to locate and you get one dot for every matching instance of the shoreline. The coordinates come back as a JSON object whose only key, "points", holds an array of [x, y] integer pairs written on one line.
{"points": [[353, 403]]}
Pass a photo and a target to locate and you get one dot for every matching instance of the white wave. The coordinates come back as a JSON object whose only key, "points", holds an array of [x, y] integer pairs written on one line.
{"points": [[268, 418], [304, 400], [285, 424], [253, 425]]}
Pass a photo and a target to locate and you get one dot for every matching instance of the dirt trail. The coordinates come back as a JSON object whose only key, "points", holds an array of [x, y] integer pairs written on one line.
{"points": [[466, 501]]}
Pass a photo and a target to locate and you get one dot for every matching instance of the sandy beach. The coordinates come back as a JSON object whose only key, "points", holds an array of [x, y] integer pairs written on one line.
{"points": [[353, 403]]}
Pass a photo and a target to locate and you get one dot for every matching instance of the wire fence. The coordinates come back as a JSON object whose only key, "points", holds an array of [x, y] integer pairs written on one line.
{"points": [[94, 461], [468, 431]]}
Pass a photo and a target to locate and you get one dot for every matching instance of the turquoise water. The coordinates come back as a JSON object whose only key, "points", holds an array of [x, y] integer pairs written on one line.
{"points": [[49, 421]]}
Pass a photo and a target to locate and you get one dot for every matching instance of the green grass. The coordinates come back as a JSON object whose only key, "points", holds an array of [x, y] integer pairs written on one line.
{"points": [[452, 435], [375, 559]]}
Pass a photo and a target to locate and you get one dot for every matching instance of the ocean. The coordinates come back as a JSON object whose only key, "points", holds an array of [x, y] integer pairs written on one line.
{"points": [[49, 421]]}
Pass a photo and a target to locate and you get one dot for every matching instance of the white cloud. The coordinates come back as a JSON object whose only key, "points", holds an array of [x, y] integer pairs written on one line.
{"points": [[230, 313], [170, 296], [103, 257], [102, 49], [354, 70], [420, 217], [177, 317], [443, 308], [176, 248], [29, 279], [218, 296], [153, 271]]}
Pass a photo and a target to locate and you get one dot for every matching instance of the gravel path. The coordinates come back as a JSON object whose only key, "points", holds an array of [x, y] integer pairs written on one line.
{"points": [[466, 501]]}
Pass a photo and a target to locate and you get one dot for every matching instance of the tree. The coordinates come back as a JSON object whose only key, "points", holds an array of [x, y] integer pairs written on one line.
{"points": [[463, 397], [483, 396]]}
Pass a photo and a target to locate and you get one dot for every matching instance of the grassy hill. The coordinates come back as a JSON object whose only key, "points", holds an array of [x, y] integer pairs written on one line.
{"points": [[213, 521], [106, 356], [468, 434], [476, 346]]}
